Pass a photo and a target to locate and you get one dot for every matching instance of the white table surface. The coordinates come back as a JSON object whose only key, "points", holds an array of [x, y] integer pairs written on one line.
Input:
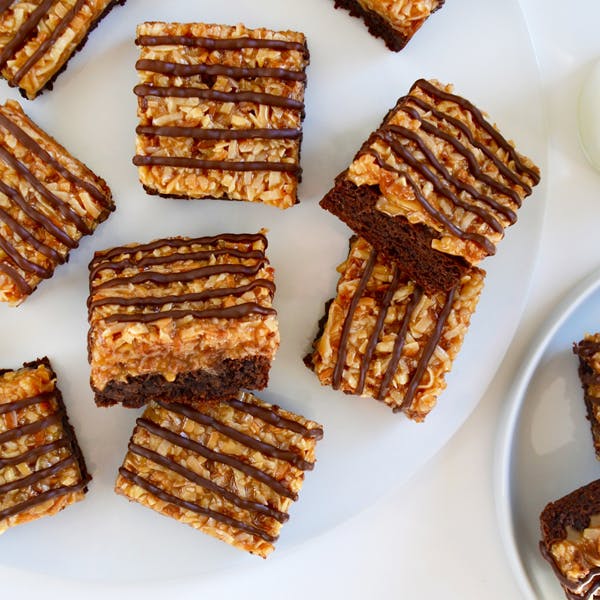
{"points": [[437, 536]]}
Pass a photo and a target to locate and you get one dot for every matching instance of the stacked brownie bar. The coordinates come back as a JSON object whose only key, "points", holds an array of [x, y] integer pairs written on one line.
{"points": [[42, 469], [220, 111], [38, 38], [588, 351], [430, 194]]}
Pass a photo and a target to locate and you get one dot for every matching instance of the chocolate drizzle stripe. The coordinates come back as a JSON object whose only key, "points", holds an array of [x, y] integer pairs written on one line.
{"points": [[18, 280], [476, 238], [64, 209], [217, 516], [478, 117], [207, 484], [181, 298], [377, 329], [182, 276], [25, 32], [39, 218], [288, 456], [239, 311], [49, 41], [269, 415], [23, 263], [17, 228], [343, 343], [234, 238], [5, 4], [41, 498], [202, 450], [184, 70], [30, 144], [219, 134], [34, 453], [205, 94], [13, 434], [149, 261], [438, 114], [586, 586], [392, 367], [23, 403], [473, 166], [219, 44], [37, 476], [427, 353], [221, 165], [443, 188]]}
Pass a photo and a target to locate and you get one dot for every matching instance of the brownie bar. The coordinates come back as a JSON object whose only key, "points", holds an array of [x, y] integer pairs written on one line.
{"points": [[38, 39], [570, 529], [384, 338], [42, 469], [48, 201], [181, 319], [220, 111], [230, 468], [395, 21], [588, 351], [434, 187]]}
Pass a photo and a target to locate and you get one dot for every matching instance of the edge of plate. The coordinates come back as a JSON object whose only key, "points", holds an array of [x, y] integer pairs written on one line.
{"points": [[503, 456]]}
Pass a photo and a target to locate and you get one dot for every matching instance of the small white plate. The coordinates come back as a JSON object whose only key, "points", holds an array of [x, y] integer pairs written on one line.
{"points": [[545, 446]]}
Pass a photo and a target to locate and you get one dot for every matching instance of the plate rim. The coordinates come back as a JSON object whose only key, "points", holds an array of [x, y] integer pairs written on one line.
{"points": [[510, 416]]}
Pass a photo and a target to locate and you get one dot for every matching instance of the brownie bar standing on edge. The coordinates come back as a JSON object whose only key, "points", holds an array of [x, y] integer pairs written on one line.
{"points": [[434, 187], [384, 338], [38, 39], [48, 201], [230, 468], [220, 111], [181, 319], [570, 542], [588, 351], [41, 466], [395, 21]]}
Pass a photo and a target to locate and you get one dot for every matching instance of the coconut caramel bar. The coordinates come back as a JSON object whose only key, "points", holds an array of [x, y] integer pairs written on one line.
{"points": [[434, 187], [42, 469], [570, 530], [395, 21], [48, 201], [181, 319], [230, 468], [220, 111], [383, 337], [37, 39]]}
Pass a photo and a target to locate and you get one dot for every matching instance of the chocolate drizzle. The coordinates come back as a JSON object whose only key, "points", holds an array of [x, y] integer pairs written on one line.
{"points": [[226, 459], [171, 499], [17, 279], [23, 403], [25, 32], [238, 501], [37, 476], [185, 70], [220, 44], [13, 434], [219, 134], [34, 453]]}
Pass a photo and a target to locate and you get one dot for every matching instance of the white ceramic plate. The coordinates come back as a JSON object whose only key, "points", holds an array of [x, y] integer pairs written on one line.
{"points": [[353, 81], [545, 447]]}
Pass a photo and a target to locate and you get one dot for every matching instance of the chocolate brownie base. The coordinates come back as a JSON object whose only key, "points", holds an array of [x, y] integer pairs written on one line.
{"points": [[402, 242], [377, 25], [188, 387], [586, 350]]}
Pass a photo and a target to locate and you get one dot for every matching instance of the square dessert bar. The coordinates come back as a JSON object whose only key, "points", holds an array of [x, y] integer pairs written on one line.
{"points": [[434, 187], [181, 319], [48, 201], [383, 337], [220, 111], [230, 468], [37, 39], [588, 351], [41, 466], [395, 21], [570, 529]]}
